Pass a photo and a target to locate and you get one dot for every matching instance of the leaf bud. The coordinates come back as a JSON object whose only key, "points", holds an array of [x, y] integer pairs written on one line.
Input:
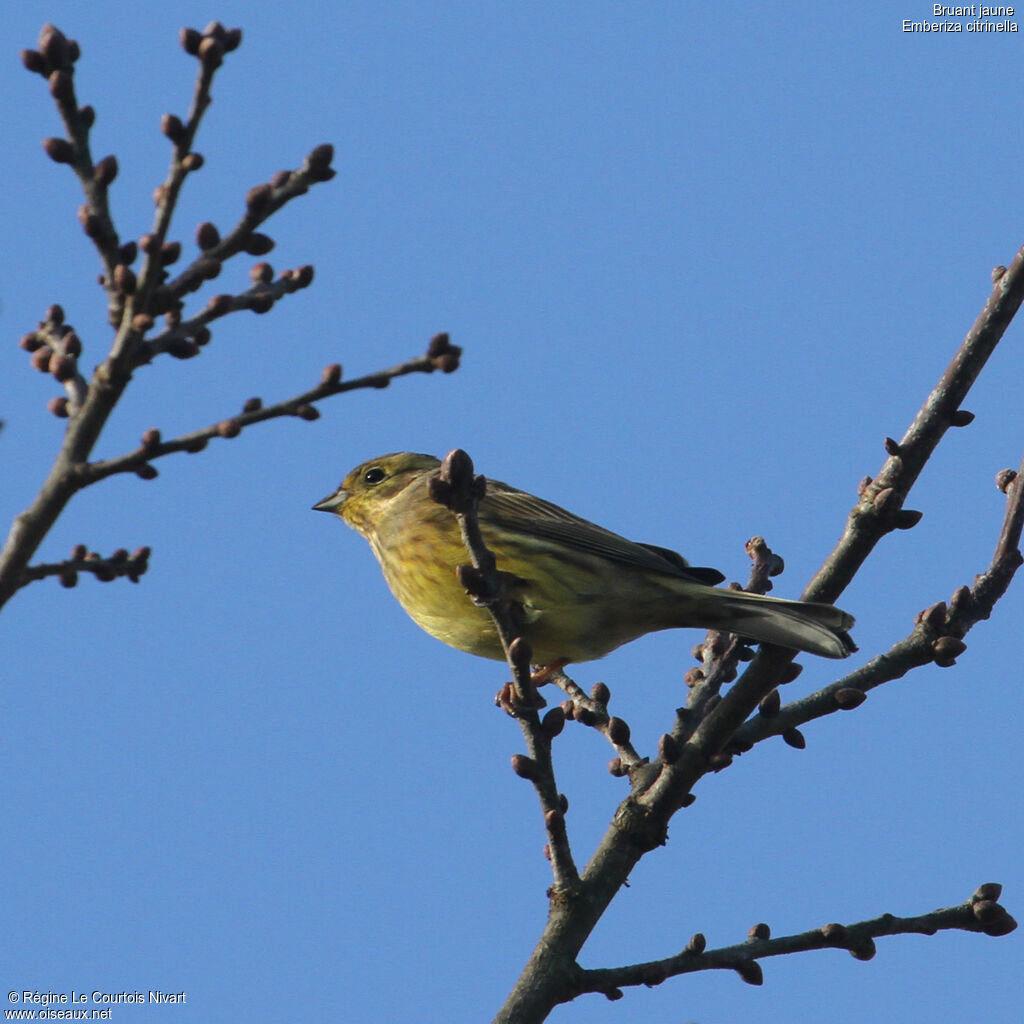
{"points": [[207, 235], [849, 697], [62, 88], [947, 649], [834, 933], [52, 44], [261, 301], [34, 61], [987, 891], [750, 971], [668, 749], [321, 156], [62, 367], [219, 305], [907, 518], [171, 125], [182, 348], [795, 738], [211, 52], [124, 279], [525, 767], [520, 654], [258, 244], [1004, 478], [934, 616], [105, 171], [618, 731], [41, 359], [770, 704], [189, 39], [553, 722], [258, 198], [791, 672], [60, 151]]}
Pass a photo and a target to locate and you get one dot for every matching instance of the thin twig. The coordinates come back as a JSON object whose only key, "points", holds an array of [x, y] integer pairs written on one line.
{"points": [[937, 636], [981, 913], [592, 711], [459, 489], [119, 564], [300, 405]]}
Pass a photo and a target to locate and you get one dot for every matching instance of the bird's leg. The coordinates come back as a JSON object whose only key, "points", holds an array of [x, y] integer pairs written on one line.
{"points": [[541, 675]]}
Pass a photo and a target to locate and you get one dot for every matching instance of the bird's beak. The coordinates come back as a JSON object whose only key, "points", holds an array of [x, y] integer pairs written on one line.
{"points": [[332, 502]]}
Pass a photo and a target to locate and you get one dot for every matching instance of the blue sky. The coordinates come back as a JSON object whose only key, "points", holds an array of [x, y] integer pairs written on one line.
{"points": [[702, 259]]}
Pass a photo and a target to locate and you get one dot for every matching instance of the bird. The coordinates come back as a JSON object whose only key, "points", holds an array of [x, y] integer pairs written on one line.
{"points": [[583, 590]]}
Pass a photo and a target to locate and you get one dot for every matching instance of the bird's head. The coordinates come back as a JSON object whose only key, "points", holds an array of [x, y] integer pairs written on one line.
{"points": [[368, 488]]}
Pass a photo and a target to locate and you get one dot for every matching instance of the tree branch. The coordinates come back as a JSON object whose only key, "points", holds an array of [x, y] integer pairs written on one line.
{"points": [[441, 355], [937, 635], [880, 508], [120, 563], [460, 490], [700, 740], [981, 913], [136, 300]]}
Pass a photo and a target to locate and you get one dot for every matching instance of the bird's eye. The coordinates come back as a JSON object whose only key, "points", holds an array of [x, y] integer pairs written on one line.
{"points": [[374, 476]]}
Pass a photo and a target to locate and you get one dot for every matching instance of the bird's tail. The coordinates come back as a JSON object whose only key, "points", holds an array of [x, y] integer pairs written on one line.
{"points": [[817, 628]]}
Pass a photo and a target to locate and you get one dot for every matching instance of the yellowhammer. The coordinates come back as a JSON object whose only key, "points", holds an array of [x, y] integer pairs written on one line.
{"points": [[584, 590]]}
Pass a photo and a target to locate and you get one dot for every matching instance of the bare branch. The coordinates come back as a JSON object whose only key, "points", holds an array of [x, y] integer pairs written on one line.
{"points": [[120, 563], [936, 637], [721, 653], [593, 711], [880, 508], [700, 742], [301, 405], [135, 300], [981, 913], [459, 489]]}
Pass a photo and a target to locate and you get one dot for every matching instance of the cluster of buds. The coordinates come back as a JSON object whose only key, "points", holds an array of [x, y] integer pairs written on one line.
{"points": [[56, 53], [120, 563], [443, 355], [210, 45], [937, 621], [55, 348]]}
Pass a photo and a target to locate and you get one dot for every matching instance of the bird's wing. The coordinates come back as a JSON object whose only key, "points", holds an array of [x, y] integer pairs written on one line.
{"points": [[507, 507]]}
